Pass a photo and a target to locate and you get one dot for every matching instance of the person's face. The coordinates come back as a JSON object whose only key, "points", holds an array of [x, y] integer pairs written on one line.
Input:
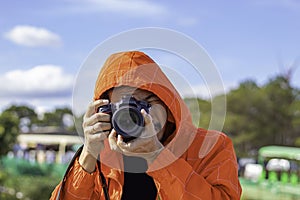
{"points": [[157, 111]]}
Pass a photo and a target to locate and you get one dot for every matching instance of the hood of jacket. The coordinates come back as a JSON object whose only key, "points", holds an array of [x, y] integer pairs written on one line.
{"points": [[136, 69]]}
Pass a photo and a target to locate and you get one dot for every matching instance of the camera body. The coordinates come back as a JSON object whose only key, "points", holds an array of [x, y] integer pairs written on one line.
{"points": [[126, 116]]}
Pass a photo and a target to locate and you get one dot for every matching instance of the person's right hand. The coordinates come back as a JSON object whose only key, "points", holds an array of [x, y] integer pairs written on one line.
{"points": [[96, 127]]}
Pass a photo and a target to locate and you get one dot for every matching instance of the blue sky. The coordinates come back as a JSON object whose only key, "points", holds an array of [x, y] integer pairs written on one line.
{"points": [[44, 43]]}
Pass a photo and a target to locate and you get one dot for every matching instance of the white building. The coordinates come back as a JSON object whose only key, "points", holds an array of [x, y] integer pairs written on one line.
{"points": [[46, 143]]}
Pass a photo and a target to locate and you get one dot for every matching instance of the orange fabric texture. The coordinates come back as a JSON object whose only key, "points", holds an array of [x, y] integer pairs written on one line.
{"points": [[195, 164]]}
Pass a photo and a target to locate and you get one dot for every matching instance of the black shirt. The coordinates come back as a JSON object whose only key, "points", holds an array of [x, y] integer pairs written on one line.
{"points": [[137, 184]]}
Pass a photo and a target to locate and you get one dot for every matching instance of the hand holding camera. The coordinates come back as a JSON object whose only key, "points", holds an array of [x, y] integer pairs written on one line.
{"points": [[146, 146], [96, 127], [133, 132], [128, 124]]}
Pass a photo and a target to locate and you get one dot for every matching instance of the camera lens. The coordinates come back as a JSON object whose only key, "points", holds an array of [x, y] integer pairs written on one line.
{"points": [[128, 122]]}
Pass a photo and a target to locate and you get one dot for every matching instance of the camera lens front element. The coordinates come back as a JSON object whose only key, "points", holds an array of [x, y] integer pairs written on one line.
{"points": [[128, 122]]}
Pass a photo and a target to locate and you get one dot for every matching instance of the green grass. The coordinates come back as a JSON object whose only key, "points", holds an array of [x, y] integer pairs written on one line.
{"points": [[28, 181], [269, 191]]}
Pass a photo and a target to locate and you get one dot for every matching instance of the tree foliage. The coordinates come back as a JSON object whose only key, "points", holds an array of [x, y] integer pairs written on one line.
{"points": [[8, 131], [17, 119], [257, 115], [266, 115], [55, 118]]}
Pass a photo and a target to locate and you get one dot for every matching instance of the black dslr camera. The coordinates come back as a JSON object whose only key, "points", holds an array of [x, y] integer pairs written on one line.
{"points": [[126, 116]]}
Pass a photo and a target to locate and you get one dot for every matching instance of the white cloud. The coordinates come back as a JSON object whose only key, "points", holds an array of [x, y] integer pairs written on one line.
{"points": [[39, 81], [33, 36], [129, 7]]}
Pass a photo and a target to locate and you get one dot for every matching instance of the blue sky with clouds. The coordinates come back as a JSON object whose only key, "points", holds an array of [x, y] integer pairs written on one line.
{"points": [[44, 43]]}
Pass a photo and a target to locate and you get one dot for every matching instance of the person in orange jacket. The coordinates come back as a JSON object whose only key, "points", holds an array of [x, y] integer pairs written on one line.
{"points": [[164, 157]]}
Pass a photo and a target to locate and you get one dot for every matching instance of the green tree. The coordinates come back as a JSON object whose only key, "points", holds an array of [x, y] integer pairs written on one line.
{"points": [[281, 96], [295, 109], [258, 116], [9, 123], [244, 105], [26, 115], [57, 118]]}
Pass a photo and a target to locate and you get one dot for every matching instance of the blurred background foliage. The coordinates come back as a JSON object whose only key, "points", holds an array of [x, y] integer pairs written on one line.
{"points": [[257, 115], [21, 179]]}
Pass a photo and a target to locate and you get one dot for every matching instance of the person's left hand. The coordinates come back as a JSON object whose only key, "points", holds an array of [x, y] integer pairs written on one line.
{"points": [[146, 146]]}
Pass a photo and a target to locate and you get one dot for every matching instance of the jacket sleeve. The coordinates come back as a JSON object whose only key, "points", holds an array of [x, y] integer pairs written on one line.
{"points": [[78, 184], [217, 180]]}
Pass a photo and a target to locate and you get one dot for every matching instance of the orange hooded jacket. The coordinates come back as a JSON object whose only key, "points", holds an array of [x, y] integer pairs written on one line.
{"points": [[195, 164]]}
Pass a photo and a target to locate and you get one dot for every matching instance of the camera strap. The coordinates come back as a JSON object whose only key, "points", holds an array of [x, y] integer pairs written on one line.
{"points": [[102, 180], [101, 175]]}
